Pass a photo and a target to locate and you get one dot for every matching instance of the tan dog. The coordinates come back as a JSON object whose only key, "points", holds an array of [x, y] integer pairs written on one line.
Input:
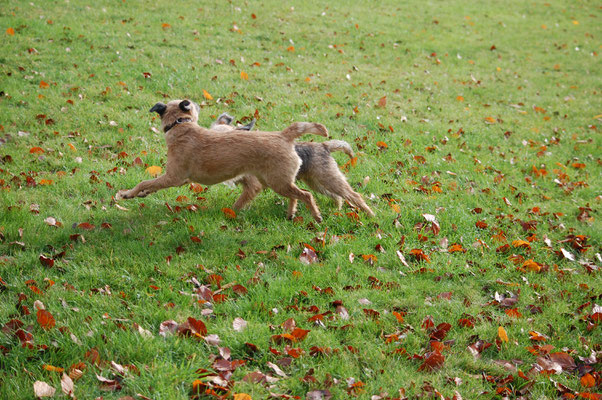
{"points": [[319, 170], [196, 154]]}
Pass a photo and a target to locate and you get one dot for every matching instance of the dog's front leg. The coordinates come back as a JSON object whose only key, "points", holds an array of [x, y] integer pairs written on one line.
{"points": [[145, 188]]}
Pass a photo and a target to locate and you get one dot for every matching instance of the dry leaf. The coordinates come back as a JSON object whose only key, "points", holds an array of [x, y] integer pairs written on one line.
{"points": [[154, 170], [42, 389]]}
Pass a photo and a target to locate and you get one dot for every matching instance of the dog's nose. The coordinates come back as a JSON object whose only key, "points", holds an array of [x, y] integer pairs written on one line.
{"points": [[159, 108]]}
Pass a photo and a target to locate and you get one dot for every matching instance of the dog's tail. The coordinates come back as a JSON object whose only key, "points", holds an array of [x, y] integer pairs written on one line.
{"points": [[339, 145], [299, 128]]}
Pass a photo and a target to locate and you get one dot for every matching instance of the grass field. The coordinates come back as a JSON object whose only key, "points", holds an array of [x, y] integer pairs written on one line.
{"points": [[477, 132]]}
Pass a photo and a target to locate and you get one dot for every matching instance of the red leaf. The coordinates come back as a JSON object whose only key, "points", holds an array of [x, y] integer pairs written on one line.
{"points": [[432, 361], [48, 262], [229, 213], [86, 225], [45, 319]]}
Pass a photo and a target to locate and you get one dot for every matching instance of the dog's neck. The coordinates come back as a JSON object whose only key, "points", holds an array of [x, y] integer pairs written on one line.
{"points": [[176, 122]]}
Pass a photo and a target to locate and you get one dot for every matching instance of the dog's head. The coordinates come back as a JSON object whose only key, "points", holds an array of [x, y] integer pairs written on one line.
{"points": [[176, 111], [224, 121]]}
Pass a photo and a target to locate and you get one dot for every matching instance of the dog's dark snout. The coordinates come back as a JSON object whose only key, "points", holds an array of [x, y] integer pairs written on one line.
{"points": [[159, 108]]}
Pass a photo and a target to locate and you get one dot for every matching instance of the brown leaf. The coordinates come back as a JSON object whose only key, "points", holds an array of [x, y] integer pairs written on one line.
{"points": [[432, 361]]}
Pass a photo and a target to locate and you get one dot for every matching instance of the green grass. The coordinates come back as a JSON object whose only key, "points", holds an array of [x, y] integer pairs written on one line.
{"points": [[481, 99]]}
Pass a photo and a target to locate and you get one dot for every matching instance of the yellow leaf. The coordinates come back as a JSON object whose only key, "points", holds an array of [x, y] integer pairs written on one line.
{"points": [[154, 170], [242, 396], [501, 332], [244, 75], [10, 32], [575, 22], [396, 208], [207, 95]]}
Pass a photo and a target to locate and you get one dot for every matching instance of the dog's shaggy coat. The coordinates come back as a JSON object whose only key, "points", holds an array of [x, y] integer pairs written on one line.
{"points": [[196, 154]]}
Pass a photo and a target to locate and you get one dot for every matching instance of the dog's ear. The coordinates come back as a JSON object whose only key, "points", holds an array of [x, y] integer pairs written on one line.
{"points": [[185, 105], [248, 126], [159, 108]]}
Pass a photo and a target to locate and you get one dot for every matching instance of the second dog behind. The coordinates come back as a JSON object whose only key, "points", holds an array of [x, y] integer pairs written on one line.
{"points": [[319, 170]]}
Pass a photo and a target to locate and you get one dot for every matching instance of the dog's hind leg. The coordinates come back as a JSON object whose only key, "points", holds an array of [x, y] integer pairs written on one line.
{"points": [[294, 193], [251, 188], [145, 188], [336, 186]]}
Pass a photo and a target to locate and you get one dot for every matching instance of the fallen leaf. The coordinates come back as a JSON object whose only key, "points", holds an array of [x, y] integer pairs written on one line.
{"points": [[239, 324], [207, 95], [501, 332], [42, 389], [244, 75], [229, 213], [45, 319], [10, 31], [67, 385], [154, 170]]}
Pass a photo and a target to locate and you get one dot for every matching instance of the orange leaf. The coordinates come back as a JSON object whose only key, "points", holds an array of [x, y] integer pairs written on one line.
{"points": [[291, 49], [521, 243], [45, 319], [165, 25], [396, 208], [52, 368], [513, 312], [36, 150], [229, 213], [207, 95], [532, 265], [244, 75], [382, 145], [154, 170], [398, 316], [456, 247], [44, 85], [501, 332], [382, 102], [588, 381], [10, 32], [490, 120], [460, 98], [46, 182]]}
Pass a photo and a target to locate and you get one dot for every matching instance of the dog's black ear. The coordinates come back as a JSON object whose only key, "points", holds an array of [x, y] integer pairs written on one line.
{"points": [[248, 126], [185, 105], [159, 108]]}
